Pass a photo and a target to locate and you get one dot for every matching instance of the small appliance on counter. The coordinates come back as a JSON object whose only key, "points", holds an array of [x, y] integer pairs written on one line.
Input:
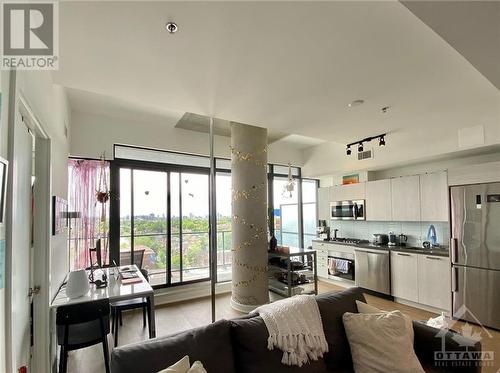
{"points": [[380, 239], [323, 230], [392, 241], [402, 239]]}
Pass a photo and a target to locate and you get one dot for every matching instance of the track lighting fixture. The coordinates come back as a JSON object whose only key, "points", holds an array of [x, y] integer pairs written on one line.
{"points": [[381, 142]]}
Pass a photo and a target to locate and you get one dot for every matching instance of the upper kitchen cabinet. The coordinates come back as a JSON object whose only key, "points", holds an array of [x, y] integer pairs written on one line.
{"points": [[378, 200], [434, 196], [405, 198], [348, 192], [324, 204]]}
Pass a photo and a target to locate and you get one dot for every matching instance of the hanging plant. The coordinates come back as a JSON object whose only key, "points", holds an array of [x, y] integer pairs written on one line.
{"points": [[102, 192]]}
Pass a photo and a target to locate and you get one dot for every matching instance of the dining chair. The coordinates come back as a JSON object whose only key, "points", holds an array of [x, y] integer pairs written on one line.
{"points": [[118, 307], [138, 258], [82, 325]]}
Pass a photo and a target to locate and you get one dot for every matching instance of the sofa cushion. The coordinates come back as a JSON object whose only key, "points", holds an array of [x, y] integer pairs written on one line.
{"points": [[332, 306], [381, 342], [210, 344], [249, 336]]}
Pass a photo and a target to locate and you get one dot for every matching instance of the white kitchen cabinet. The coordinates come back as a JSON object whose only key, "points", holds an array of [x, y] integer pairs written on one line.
{"points": [[434, 285], [324, 204], [378, 200], [434, 196], [404, 275], [347, 192], [405, 198]]}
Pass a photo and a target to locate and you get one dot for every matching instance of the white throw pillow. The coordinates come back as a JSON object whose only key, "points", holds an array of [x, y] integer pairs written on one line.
{"points": [[182, 366], [197, 367], [380, 342], [368, 308]]}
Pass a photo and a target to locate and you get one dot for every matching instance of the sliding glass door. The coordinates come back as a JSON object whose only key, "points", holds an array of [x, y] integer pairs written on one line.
{"points": [[164, 223]]}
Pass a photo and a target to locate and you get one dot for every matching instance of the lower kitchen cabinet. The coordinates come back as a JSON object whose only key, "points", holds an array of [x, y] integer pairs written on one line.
{"points": [[404, 276], [321, 258], [421, 278], [434, 288]]}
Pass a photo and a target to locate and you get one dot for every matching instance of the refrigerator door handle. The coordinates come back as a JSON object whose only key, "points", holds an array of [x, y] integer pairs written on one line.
{"points": [[454, 250], [454, 279]]}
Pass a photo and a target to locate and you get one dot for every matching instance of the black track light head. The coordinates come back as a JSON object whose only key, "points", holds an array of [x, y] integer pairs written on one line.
{"points": [[381, 141], [360, 147], [348, 150]]}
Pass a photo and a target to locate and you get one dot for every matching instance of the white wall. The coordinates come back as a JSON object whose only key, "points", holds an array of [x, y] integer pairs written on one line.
{"points": [[50, 106], [92, 134], [4, 89], [423, 167], [402, 147]]}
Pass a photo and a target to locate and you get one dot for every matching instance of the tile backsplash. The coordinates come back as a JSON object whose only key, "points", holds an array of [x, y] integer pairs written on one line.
{"points": [[416, 231]]}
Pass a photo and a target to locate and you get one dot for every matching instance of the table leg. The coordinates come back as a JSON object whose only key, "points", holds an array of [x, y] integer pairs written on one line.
{"points": [[152, 322]]}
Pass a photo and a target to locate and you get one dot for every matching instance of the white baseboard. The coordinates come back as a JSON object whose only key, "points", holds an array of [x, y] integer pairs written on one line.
{"points": [[190, 291], [344, 284], [422, 306]]}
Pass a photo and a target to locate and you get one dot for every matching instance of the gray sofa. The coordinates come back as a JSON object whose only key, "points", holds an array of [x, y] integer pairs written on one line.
{"points": [[240, 345]]}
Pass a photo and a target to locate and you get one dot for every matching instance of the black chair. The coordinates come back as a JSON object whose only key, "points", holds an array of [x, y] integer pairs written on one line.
{"points": [[138, 258], [118, 307], [82, 325]]}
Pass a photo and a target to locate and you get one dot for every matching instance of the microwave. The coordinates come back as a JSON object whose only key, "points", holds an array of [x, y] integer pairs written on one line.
{"points": [[348, 210]]}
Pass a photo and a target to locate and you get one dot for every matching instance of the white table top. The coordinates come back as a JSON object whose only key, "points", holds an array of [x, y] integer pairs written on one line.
{"points": [[114, 291]]}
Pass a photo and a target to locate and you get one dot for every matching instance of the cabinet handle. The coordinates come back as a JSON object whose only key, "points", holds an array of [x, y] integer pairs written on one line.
{"points": [[454, 280], [401, 254], [433, 258], [454, 250]]}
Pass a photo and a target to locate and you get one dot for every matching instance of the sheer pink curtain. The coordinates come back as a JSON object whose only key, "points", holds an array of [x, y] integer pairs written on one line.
{"points": [[88, 217]]}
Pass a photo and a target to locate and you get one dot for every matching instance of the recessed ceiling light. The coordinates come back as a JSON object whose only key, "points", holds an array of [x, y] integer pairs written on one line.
{"points": [[356, 103], [171, 27]]}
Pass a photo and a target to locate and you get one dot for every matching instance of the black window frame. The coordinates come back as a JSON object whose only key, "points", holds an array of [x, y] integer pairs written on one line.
{"points": [[114, 213]]}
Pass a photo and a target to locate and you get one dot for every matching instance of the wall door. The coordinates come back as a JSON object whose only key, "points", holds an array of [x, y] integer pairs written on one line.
{"points": [[19, 243]]}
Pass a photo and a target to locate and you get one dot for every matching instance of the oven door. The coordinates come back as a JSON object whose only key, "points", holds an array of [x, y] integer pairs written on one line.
{"points": [[341, 266], [347, 210]]}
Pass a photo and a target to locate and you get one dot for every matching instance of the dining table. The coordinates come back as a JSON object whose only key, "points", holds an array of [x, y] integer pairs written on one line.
{"points": [[115, 290]]}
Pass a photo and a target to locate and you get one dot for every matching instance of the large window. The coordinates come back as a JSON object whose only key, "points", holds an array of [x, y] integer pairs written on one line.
{"points": [[88, 215], [164, 223], [286, 213], [309, 210], [164, 213]]}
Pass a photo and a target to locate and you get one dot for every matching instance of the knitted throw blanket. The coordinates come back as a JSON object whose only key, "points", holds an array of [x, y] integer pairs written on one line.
{"points": [[295, 327]]}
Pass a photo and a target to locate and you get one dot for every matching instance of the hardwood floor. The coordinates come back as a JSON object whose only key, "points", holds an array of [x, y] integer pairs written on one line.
{"points": [[176, 317]]}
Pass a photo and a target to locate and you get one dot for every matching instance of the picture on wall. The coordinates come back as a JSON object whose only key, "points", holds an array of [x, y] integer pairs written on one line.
{"points": [[350, 179], [3, 187], [59, 215]]}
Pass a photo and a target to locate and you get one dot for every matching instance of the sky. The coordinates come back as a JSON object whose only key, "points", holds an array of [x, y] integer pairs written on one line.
{"points": [[150, 195], [151, 198]]}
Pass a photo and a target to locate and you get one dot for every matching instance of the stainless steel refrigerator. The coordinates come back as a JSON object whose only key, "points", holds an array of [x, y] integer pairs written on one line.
{"points": [[475, 253]]}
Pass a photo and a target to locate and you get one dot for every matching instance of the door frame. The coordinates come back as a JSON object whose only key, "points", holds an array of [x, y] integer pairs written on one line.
{"points": [[41, 349]]}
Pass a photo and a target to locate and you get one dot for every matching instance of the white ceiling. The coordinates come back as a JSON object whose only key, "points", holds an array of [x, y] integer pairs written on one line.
{"points": [[289, 66], [471, 27]]}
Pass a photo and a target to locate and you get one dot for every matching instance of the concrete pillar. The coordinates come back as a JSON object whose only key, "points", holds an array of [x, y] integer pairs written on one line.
{"points": [[249, 222]]}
